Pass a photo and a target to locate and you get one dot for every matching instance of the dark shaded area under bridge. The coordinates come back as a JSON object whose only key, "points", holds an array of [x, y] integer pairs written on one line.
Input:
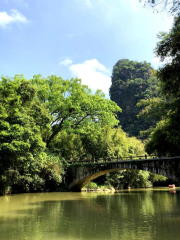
{"points": [[82, 172]]}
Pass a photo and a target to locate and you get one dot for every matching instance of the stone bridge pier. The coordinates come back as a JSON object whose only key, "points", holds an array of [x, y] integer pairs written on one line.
{"points": [[81, 174]]}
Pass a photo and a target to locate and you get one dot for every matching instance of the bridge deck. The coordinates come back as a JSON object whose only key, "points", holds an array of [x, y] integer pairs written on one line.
{"points": [[118, 160]]}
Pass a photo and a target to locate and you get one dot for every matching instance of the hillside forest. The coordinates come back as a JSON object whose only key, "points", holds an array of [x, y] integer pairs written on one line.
{"points": [[47, 121]]}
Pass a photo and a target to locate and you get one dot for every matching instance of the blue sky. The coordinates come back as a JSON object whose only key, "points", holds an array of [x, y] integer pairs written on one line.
{"points": [[76, 38]]}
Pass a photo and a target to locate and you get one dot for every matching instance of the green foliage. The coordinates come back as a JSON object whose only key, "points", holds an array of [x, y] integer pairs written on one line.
{"points": [[156, 178], [130, 178], [52, 170], [44, 120], [21, 145], [164, 139], [73, 106], [91, 185], [106, 143], [131, 82]]}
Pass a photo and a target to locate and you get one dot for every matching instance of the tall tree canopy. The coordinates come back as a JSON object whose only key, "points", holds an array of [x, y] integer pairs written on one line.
{"points": [[37, 117], [21, 145], [132, 81], [165, 138], [73, 106], [46, 121]]}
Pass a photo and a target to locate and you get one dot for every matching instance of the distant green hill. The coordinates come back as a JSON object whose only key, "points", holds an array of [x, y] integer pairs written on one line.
{"points": [[131, 82]]}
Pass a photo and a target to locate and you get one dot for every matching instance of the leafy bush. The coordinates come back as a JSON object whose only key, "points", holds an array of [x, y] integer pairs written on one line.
{"points": [[91, 185]]}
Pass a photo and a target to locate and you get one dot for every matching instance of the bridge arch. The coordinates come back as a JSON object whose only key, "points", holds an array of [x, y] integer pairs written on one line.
{"points": [[81, 175]]}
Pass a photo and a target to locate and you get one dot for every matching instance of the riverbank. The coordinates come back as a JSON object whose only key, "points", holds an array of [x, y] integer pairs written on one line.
{"points": [[94, 187], [98, 190]]}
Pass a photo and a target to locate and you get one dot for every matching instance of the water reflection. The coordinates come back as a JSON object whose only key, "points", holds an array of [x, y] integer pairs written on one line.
{"points": [[135, 214]]}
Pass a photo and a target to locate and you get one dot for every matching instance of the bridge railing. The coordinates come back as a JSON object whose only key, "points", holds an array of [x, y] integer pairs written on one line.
{"points": [[112, 159]]}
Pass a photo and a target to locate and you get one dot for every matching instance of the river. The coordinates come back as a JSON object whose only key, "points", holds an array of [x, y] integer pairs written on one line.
{"points": [[128, 215]]}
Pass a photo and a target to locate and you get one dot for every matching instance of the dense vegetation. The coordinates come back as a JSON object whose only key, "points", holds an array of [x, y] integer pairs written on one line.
{"points": [[165, 139], [24, 164], [164, 108], [129, 179], [156, 98], [46, 121], [131, 82]]}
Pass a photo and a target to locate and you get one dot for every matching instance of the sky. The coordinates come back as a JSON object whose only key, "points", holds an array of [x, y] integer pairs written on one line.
{"points": [[77, 38]]}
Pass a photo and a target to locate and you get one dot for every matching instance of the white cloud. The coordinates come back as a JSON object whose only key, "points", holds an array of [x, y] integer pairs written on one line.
{"points": [[15, 17], [65, 62], [93, 74], [157, 60]]}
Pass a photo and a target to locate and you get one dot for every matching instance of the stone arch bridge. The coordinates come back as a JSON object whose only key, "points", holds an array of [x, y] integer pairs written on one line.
{"points": [[81, 173]]}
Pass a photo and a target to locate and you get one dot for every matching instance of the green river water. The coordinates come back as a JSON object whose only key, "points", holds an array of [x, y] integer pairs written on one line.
{"points": [[128, 215]]}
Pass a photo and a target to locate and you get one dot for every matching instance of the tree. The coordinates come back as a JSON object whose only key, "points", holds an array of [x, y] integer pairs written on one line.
{"points": [[171, 6], [129, 178], [165, 138], [72, 106], [21, 145], [46, 121], [25, 163]]}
